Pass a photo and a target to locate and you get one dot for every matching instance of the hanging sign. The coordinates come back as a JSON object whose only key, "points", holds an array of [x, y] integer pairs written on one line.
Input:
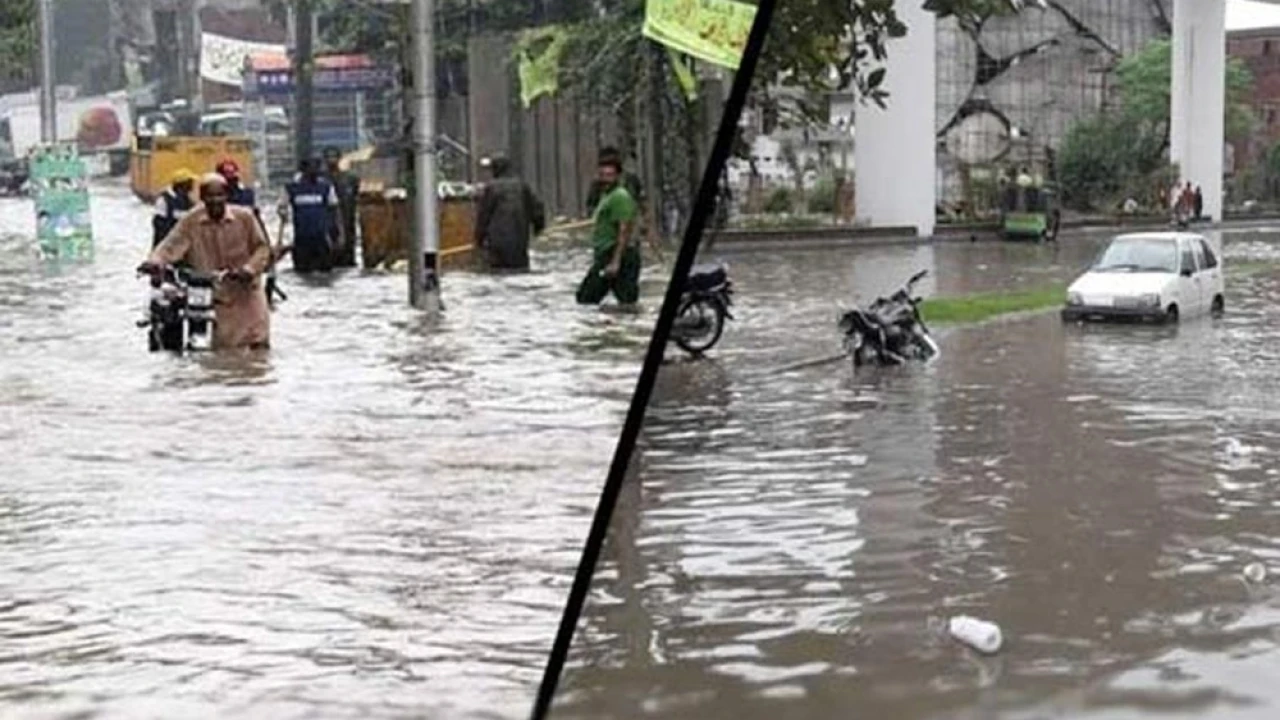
{"points": [[713, 31], [64, 228]]}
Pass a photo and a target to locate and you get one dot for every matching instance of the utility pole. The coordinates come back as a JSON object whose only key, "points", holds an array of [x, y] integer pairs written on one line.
{"points": [[303, 74], [424, 242], [48, 86]]}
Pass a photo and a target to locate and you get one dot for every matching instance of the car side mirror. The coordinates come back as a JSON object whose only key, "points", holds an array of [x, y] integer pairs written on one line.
{"points": [[1186, 272]]}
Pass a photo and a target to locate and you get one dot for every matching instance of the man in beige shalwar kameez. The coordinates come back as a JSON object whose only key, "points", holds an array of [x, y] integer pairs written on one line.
{"points": [[217, 237]]}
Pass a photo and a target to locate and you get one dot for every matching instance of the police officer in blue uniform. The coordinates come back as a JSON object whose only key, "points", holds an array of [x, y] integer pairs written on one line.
{"points": [[312, 203], [174, 202]]}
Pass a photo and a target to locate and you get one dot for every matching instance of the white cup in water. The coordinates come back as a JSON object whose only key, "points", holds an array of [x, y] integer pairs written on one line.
{"points": [[983, 636]]}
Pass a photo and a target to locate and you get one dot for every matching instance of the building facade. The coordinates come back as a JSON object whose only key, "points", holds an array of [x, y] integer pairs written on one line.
{"points": [[1009, 88], [1259, 50]]}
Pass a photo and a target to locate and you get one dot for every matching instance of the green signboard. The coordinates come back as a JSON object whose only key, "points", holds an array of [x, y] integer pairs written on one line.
{"points": [[59, 181], [713, 31]]}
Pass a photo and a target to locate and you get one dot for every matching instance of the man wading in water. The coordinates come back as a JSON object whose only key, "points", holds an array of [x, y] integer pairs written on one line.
{"points": [[216, 237], [507, 214], [616, 264]]}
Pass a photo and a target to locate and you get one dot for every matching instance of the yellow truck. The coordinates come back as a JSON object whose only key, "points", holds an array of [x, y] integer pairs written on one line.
{"points": [[154, 158]]}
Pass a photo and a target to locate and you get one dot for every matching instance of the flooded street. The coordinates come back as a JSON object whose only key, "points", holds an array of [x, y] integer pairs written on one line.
{"points": [[794, 543], [379, 520]]}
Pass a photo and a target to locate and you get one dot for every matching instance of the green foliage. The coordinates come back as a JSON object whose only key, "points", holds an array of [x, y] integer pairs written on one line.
{"points": [[1121, 153], [822, 199], [1145, 79], [781, 201], [18, 22]]}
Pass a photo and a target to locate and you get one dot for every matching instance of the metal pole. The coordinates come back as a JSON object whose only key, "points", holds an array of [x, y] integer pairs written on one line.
{"points": [[48, 86], [303, 65], [424, 285]]}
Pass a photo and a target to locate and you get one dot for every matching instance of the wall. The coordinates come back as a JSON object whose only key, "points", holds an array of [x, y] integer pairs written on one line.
{"points": [[1037, 71]]}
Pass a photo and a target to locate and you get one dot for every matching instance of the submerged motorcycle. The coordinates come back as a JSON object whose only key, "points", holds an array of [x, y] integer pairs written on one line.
{"points": [[890, 331], [181, 310], [704, 308]]}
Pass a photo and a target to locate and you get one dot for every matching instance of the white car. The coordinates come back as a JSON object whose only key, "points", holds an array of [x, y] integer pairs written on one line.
{"points": [[1158, 276]]}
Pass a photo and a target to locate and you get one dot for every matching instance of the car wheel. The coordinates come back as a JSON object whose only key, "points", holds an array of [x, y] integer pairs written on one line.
{"points": [[1218, 307], [1171, 315]]}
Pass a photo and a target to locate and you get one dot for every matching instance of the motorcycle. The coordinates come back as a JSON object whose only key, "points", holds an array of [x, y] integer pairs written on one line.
{"points": [[890, 331], [181, 309], [704, 308]]}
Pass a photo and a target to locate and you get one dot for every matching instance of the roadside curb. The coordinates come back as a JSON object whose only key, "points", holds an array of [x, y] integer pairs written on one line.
{"points": [[810, 238]]}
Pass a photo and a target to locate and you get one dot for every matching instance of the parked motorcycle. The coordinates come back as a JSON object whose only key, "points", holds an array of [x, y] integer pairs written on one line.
{"points": [[890, 331], [181, 310], [704, 308]]}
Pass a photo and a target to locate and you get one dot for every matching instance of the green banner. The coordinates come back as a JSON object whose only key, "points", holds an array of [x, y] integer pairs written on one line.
{"points": [[538, 52], [59, 180], [713, 31], [684, 75]]}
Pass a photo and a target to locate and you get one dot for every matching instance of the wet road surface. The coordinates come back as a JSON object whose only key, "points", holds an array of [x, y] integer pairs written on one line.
{"points": [[791, 545], [379, 520]]}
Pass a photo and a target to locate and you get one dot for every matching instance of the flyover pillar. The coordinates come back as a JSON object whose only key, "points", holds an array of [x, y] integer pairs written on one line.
{"points": [[895, 155], [1198, 97]]}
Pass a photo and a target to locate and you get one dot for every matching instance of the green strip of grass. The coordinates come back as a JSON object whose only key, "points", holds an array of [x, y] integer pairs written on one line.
{"points": [[984, 306]]}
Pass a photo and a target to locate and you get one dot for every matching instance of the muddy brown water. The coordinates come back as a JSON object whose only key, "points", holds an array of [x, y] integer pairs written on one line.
{"points": [[791, 545], [381, 519]]}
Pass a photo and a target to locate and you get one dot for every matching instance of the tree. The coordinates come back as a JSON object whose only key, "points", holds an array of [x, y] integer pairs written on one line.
{"points": [[1125, 151], [17, 43], [1145, 90]]}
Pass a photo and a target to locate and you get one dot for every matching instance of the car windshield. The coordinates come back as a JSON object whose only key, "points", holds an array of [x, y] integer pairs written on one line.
{"points": [[1139, 255]]}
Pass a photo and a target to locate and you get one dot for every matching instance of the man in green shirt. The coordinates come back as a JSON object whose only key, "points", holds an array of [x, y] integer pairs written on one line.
{"points": [[616, 264]]}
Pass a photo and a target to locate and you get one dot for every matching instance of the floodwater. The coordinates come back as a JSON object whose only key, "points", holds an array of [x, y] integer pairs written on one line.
{"points": [[381, 519], [791, 545]]}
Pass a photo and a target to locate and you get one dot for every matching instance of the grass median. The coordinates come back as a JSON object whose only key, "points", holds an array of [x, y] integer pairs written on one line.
{"points": [[985, 306]]}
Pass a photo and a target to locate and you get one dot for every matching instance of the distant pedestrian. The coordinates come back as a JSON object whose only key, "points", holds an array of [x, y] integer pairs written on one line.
{"points": [[508, 214], [1198, 203], [312, 203], [616, 261], [346, 185]]}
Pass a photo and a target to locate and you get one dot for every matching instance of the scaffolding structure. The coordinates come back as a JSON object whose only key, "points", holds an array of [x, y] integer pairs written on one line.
{"points": [[1009, 88]]}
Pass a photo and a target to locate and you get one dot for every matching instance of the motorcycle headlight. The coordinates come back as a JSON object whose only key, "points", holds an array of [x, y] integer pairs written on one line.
{"points": [[1075, 298]]}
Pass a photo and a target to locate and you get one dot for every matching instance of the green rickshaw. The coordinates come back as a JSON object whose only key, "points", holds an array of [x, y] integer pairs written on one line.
{"points": [[1030, 212]]}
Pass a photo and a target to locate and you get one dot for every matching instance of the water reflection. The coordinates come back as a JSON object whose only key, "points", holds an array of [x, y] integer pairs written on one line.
{"points": [[798, 542]]}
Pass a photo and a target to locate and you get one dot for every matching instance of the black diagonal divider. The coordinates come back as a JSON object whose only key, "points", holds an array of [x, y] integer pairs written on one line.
{"points": [[706, 199]]}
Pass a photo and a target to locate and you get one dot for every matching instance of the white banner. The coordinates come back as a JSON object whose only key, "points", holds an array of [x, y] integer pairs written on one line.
{"points": [[222, 58]]}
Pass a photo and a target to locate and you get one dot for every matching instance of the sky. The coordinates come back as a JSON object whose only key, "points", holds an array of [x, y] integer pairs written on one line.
{"points": [[1248, 14]]}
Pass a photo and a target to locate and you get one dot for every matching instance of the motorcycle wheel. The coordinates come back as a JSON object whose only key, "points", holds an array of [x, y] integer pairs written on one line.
{"points": [[695, 312], [167, 337]]}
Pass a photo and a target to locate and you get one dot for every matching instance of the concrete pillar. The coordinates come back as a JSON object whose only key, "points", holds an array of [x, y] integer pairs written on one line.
{"points": [[895, 154], [1196, 134]]}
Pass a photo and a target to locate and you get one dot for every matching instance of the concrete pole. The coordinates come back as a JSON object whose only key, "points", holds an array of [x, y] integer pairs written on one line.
{"points": [[48, 82], [1198, 97], [424, 245], [303, 68], [895, 154]]}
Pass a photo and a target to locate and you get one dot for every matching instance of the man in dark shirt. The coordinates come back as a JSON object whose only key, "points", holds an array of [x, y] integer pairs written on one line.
{"points": [[347, 187], [172, 205], [506, 214], [312, 203]]}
